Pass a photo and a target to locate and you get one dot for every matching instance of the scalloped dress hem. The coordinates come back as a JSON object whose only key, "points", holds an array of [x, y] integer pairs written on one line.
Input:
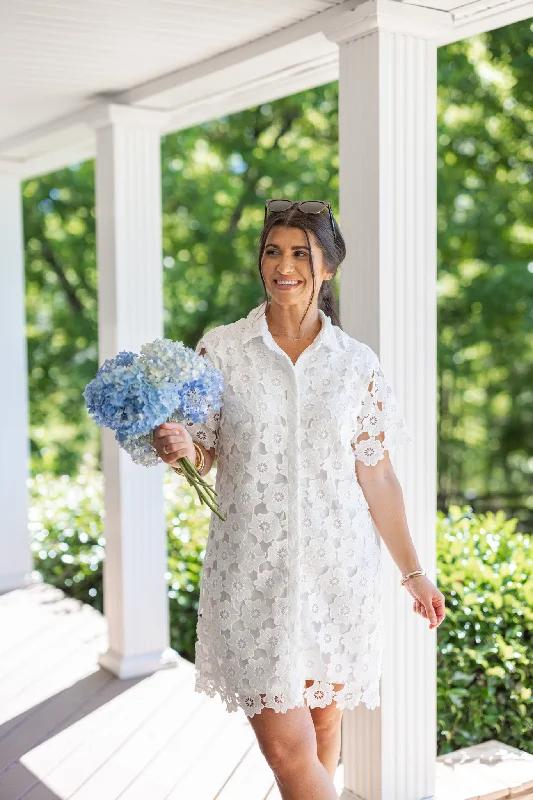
{"points": [[319, 695]]}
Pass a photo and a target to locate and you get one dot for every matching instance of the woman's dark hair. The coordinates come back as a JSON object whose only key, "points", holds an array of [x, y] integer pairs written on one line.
{"points": [[333, 251]]}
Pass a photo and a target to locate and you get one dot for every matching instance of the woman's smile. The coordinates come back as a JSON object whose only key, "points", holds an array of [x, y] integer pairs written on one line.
{"points": [[286, 284]]}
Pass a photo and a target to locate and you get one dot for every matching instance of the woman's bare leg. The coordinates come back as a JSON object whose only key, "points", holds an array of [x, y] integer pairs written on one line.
{"points": [[288, 742], [327, 723]]}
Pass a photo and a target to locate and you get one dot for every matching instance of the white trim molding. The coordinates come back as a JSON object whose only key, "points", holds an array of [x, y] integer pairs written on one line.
{"points": [[388, 15]]}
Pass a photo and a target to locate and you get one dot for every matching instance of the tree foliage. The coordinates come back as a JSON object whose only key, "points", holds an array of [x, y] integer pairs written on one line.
{"points": [[485, 264]]}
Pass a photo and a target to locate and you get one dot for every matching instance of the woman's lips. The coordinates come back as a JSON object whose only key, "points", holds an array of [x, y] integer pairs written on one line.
{"points": [[285, 287]]}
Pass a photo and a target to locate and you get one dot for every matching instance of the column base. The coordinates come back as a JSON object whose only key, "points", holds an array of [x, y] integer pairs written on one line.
{"points": [[140, 665]]}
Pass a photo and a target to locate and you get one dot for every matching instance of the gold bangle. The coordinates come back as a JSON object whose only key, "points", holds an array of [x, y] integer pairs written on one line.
{"points": [[201, 456], [412, 575], [199, 461]]}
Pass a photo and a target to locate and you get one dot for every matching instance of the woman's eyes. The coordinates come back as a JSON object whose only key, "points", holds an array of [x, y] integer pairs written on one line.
{"points": [[271, 252]]}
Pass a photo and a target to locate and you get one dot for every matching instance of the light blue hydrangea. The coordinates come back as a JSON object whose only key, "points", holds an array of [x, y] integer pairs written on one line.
{"points": [[134, 393]]}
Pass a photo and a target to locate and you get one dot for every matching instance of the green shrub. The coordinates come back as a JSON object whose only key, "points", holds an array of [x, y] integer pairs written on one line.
{"points": [[65, 524], [67, 538], [485, 570], [485, 656]]}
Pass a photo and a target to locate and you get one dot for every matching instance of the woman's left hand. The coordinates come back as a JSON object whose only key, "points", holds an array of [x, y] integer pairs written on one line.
{"points": [[429, 602]]}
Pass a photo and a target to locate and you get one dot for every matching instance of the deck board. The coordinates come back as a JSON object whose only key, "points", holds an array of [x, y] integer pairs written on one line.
{"points": [[70, 730]]}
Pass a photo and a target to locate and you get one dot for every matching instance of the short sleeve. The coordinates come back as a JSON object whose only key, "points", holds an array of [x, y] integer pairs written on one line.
{"points": [[380, 423], [205, 433]]}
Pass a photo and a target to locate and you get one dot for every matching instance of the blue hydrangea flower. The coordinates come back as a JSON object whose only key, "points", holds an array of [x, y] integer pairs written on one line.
{"points": [[133, 394]]}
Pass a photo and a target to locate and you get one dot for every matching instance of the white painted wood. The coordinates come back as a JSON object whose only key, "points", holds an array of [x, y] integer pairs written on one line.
{"points": [[387, 144], [82, 732], [252, 771], [130, 309], [15, 554], [54, 56], [199, 67], [487, 17], [176, 757]]}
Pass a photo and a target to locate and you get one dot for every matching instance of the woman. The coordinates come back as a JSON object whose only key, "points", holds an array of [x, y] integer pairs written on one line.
{"points": [[290, 616]]}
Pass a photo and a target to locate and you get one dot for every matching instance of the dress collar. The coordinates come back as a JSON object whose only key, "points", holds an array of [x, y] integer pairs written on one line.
{"points": [[256, 325]]}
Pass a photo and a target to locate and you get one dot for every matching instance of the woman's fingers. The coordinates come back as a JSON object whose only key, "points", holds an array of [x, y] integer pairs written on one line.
{"points": [[430, 612], [431, 607], [170, 442], [419, 608]]}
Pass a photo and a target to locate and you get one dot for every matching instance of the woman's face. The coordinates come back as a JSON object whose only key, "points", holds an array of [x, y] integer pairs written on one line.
{"points": [[286, 257]]}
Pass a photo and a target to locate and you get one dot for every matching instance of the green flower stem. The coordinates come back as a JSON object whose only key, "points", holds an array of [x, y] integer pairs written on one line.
{"points": [[205, 491], [190, 470]]}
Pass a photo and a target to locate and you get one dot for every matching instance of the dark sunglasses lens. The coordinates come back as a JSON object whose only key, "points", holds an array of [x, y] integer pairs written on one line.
{"points": [[279, 205], [312, 206]]}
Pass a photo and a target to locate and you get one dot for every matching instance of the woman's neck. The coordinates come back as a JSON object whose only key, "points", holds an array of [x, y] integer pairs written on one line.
{"points": [[285, 323]]}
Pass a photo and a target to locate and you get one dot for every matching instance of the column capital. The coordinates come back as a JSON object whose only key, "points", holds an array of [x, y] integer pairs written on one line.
{"points": [[388, 15], [103, 115]]}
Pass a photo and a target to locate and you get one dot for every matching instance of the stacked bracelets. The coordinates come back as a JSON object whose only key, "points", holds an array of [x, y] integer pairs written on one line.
{"points": [[200, 460], [412, 575]]}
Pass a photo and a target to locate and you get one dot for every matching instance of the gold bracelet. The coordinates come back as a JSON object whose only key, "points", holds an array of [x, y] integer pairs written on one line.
{"points": [[412, 575], [199, 461]]}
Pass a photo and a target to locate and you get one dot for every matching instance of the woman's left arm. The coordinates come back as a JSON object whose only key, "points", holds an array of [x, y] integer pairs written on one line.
{"points": [[384, 496]]}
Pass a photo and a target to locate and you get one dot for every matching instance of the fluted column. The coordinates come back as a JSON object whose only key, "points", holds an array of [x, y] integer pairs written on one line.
{"points": [[15, 554], [387, 142], [130, 308]]}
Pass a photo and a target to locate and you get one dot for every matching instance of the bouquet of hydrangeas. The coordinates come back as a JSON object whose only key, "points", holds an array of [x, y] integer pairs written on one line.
{"points": [[167, 382]]}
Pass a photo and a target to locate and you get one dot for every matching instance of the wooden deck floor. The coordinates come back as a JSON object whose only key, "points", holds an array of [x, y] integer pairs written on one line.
{"points": [[70, 729]]}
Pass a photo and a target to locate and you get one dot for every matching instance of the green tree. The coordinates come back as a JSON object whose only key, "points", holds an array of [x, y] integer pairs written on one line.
{"points": [[485, 264]]}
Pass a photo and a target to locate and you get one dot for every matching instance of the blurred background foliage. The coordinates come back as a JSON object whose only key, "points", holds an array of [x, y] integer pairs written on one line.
{"points": [[216, 177]]}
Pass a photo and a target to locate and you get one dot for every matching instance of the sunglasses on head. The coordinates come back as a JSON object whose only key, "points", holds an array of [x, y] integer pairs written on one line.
{"points": [[277, 206]]}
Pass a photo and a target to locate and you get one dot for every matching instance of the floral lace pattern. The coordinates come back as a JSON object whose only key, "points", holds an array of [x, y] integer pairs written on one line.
{"points": [[291, 582]]}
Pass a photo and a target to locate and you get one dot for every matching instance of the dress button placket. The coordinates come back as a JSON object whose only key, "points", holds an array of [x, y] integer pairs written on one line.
{"points": [[297, 537], [294, 608], [293, 622]]}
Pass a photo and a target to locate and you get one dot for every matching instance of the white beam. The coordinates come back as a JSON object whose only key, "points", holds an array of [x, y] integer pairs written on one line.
{"points": [[486, 15], [15, 554], [130, 310], [387, 144]]}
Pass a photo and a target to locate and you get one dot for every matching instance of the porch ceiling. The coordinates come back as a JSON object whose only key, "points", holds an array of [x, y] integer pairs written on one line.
{"points": [[196, 59]]}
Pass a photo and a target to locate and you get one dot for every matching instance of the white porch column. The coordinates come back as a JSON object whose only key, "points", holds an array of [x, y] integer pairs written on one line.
{"points": [[130, 308], [15, 554], [387, 141]]}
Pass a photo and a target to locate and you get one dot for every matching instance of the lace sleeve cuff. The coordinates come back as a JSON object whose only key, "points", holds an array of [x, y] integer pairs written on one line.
{"points": [[380, 423]]}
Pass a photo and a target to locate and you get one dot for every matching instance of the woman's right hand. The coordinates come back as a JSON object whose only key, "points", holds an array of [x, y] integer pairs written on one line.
{"points": [[176, 440]]}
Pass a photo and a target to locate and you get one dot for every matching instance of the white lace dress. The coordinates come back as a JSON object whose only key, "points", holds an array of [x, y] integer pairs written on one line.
{"points": [[291, 582]]}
